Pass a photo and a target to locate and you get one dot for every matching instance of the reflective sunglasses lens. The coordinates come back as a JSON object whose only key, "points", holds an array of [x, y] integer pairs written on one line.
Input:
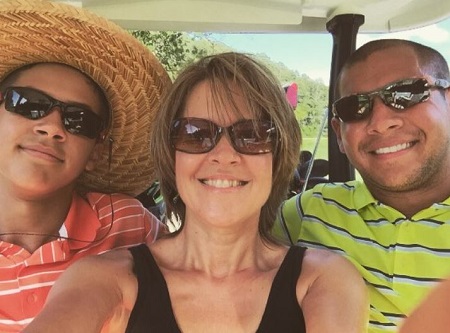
{"points": [[406, 93], [352, 108], [400, 95], [253, 138], [193, 136], [33, 104], [27, 103], [82, 122]]}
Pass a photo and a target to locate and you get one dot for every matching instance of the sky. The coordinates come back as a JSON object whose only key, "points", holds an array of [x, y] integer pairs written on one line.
{"points": [[295, 50]]}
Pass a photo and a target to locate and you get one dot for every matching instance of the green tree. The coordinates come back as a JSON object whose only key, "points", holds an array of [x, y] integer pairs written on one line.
{"points": [[177, 49], [172, 48]]}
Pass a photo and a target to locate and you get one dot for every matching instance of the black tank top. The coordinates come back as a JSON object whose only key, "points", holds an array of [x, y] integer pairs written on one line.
{"points": [[153, 312]]}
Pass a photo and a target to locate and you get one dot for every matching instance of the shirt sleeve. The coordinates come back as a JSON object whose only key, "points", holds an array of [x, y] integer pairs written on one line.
{"points": [[288, 223], [154, 228]]}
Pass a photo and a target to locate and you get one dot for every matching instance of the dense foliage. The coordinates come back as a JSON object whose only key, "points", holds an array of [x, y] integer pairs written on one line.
{"points": [[177, 49]]}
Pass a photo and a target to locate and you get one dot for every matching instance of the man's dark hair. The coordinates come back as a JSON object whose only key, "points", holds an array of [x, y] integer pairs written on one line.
{"points": [[430, 60]]}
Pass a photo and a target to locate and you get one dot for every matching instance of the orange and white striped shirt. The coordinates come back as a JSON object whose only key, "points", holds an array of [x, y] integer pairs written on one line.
{"points": [[93, 226]]}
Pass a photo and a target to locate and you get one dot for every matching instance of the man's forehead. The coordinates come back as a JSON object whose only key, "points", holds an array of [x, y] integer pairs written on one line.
{"points": [[379, 69]]}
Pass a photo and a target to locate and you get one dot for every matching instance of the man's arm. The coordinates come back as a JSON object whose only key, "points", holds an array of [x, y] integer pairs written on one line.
{"points": [[431, 315]]}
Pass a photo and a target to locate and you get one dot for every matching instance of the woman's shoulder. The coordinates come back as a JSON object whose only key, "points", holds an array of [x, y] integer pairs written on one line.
{"points": [[323, 257], [116, 261], [320, 264], [330, 290]]}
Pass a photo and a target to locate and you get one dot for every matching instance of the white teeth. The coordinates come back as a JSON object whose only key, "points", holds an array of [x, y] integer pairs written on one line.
{"points": [[393, 149], [222, 183]]}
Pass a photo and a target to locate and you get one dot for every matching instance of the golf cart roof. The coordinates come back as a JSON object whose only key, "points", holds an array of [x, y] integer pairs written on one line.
{"points": [[266, 15]]}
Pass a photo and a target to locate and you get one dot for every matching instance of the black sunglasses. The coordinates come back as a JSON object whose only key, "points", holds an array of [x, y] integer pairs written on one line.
{"points": [[198, 136], [34, 104], [399, 95]]}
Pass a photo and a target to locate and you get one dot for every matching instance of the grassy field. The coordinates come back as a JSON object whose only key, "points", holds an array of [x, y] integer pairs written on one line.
{"points": [[322, 150]]}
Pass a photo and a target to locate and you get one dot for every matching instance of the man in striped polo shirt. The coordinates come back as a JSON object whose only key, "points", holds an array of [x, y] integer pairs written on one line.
{"points": [[392, 120], [77, 95]]}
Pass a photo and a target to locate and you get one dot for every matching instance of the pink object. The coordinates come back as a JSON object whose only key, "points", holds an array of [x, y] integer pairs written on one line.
{"points": [[291, 94]]}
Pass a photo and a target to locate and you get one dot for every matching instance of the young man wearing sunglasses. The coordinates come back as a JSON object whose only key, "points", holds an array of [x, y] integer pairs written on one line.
{"points": [[77, 95], [392, 120]]}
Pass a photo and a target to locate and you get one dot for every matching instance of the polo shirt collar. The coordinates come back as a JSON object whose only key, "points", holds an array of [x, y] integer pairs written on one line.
{"points": [[361, 194], [82, 223], [363, 198]]}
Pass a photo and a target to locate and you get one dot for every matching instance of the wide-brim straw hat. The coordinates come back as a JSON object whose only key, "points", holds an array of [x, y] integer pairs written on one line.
{"points": [[132, 78]]}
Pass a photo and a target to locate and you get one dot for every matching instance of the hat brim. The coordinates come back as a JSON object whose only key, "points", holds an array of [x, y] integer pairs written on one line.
{"points": [[131, 77]]}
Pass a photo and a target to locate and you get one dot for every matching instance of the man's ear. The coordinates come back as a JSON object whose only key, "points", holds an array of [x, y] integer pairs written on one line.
{"points": [[447, 96], [336, 124], [95, 156]]}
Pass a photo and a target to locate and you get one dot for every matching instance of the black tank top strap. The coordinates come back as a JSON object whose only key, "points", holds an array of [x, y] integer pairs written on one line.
{"points": [[152, 311], [283, 313]]}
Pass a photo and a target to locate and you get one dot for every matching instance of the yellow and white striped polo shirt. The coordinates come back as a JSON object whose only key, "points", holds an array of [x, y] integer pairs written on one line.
{"points": [[401, 259]]}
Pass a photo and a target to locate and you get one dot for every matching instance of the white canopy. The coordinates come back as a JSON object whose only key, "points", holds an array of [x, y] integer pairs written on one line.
{"points": [[266, 15]]}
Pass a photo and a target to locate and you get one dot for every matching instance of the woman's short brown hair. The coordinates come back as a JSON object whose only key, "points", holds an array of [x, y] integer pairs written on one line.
{"points": [[265, 99]]}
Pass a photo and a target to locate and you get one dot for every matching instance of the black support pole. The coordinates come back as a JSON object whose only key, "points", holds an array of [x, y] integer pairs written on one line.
{"points": [[344, 29]]}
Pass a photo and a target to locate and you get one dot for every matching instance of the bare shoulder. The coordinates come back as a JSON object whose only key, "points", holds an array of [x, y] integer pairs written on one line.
{"points": [[320, 260], [324, 271], [111, 271], [319, 255], [114, 260], [324, 267], [332, 294], [116, 263]]}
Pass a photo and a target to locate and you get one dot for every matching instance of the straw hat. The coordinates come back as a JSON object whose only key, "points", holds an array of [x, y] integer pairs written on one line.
{"points": [[132, 78]]}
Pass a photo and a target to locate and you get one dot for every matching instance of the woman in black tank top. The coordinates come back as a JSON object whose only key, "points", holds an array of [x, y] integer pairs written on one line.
{"points": [[225, 146]]}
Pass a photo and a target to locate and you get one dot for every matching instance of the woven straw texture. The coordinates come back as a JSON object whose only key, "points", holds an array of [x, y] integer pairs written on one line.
{"points": [[132, 78]]}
